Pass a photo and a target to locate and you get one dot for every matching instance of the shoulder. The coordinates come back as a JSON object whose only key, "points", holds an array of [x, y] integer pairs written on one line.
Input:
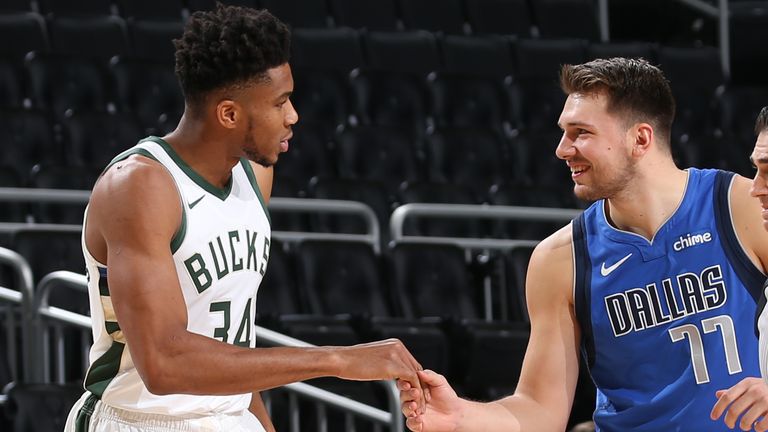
{"points": [[746, 214], [134, 190], [550, 270], [557, 246]]}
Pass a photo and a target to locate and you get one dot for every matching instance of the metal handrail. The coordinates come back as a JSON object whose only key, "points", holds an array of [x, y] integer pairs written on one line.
{"points": [[468, 211], [276, 204], [393, 418], [24, 297]]}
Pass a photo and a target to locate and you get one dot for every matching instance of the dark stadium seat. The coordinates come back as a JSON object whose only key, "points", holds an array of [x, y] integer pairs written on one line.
{"points": [[278, 293], [28, 33], [62, 83], [151, 91], [96, 37], [116, 133], [644, 50], [371, 193], [152, 41], [322, 60], [387, 155], [167, 10], [373, 15], [438, 193], [308, 156], [60, 177], [474, 86], [510, 194], [11, 211], [27, 138], [299, 13], [696, 78], [512, 271], [390, 91], [566, 19], [346, 279], [15, 6], [538, 64], [13, 90], [748, 27], [433, 281], [740, 106], [472, 157], [41, 407], [444, 16], [501, 17], [75, 8]]}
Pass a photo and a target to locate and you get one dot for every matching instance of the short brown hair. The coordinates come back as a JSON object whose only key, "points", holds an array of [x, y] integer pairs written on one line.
{"points": [[761, 124], [635, 88]]}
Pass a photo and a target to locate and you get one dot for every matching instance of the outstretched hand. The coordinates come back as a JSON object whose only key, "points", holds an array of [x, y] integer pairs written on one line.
{"points": [[443, 406], [748, 399], [382, 360]]}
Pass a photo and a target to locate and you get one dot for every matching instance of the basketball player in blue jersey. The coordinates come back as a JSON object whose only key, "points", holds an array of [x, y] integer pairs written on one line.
{"points": [[746, 403], [176, 240], [654, 284]]}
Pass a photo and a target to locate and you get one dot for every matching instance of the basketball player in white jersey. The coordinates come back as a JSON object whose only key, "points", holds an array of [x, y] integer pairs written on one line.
{"points": [[176, 240], [746, 403]]}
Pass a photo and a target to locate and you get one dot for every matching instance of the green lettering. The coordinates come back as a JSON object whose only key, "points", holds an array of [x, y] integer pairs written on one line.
{"points": [[200, 275], [251, 249], [221, 332], [263, 268], [220, 273], [239, 264], [245, 326]]}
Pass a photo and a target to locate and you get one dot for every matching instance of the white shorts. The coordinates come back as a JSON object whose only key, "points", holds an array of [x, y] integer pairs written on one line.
{"points": [[104, 418]]}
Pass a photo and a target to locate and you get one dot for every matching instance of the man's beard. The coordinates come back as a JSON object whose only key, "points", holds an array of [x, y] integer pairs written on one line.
{"points": [[608, 187]]}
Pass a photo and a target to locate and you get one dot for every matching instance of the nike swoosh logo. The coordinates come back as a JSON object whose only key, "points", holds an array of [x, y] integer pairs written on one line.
{"points": [[605, 271], [194, 203]]}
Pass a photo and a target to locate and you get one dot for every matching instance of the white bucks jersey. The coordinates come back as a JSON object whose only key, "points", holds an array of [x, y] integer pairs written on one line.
{"points": [[220, 251]]}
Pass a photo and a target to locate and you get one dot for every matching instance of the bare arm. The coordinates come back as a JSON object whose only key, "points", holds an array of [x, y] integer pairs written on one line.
{"points": [[264, 177], [134, 212], [748, 222], [260, 411], [746, 401], [544, 394]]}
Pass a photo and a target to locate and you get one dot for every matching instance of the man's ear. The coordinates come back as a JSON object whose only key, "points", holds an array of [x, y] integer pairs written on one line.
{"points": [[228, 113], [642, 137]]}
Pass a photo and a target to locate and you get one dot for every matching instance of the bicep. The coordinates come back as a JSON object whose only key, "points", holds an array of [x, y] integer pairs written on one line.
{"points": [[136, 212], [550, 369]]}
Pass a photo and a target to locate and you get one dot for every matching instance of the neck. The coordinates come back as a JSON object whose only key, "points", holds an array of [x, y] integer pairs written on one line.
{"points": [[650, 200], [202, 149]]}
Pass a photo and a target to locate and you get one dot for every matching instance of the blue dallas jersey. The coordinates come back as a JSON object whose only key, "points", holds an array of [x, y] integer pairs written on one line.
{"points": [[666, 323]]}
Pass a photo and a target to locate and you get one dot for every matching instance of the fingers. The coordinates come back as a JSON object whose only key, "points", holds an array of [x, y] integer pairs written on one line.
{"points": [[414, 424], [412, 367], [762, 425], [432, 378], [748, 399], [750, 417], [726, 398]]}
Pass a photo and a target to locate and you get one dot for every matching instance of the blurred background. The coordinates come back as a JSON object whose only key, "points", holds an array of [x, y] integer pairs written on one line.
{"points": [[451, 102]]}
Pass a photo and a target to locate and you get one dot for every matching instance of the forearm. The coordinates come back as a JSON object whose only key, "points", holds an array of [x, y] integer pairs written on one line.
{"points": [[512, 414], [195, 364]]}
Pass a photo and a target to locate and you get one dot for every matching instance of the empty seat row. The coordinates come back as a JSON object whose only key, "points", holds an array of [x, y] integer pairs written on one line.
{"points": [[343, 77], [450, 16]]}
